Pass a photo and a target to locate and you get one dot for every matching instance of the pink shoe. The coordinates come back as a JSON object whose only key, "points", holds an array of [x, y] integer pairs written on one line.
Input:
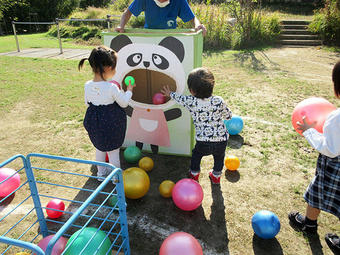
{"points": [[193, 176], [213, 178]]}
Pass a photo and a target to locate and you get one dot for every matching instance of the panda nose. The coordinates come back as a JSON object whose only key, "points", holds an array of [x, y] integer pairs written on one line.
{"points": [[146, 64]]}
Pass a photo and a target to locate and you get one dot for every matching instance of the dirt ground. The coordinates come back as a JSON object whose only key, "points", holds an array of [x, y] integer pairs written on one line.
{"points": [[152, 218]]}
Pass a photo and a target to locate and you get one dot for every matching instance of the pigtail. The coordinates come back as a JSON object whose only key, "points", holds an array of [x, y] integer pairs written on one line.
{"points": [[81, 63]]}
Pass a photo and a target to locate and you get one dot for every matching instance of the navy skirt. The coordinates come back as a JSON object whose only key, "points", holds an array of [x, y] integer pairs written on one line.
{"points": [[324, 190], [106, 126]]}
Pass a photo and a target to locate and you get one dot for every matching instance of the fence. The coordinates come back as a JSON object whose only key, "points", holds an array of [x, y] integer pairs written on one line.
{"points": [[22, 223], [108, 20]]}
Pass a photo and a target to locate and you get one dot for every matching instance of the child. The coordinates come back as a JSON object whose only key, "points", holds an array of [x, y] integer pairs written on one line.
{"points": [[105, 119], [208, 113], [323, 193]]}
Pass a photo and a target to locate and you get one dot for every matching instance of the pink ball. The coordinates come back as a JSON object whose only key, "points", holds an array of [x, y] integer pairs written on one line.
{"points": [[55, 204], [315, 109], [180, 243], [158, 98], [58, 247], [8, 186], [187, 194]]}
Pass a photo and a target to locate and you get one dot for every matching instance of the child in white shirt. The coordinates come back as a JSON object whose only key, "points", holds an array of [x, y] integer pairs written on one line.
{"points": [[323, 193], [105, 118]]}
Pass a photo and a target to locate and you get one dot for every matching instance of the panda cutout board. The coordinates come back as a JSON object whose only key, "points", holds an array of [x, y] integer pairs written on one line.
{"points": [[154, 59]]}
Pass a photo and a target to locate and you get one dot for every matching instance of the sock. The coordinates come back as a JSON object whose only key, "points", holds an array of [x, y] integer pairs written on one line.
{"points": [[216, 175], [311, 223], [194, 173]]}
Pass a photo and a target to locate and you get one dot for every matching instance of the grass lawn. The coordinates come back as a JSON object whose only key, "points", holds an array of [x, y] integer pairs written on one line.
{"points": [[42, 110], [40, 40]]}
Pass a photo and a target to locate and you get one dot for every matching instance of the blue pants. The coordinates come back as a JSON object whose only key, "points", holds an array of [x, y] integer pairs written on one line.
{"points": [[217, 149]]}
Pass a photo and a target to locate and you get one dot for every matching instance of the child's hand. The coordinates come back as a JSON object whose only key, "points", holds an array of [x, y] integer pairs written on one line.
{"points": [[130, 87], [304, 126], [166, 91]]}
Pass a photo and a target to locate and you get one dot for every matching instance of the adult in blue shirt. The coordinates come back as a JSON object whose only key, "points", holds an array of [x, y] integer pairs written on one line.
{"points": [[161, 14]]}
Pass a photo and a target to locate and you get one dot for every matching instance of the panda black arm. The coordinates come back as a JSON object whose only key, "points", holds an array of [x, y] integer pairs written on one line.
{"points": [[128, 110], [173, 114]]}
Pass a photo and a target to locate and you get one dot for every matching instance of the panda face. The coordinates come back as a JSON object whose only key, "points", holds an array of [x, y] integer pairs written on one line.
{"points": [[153, 67]]}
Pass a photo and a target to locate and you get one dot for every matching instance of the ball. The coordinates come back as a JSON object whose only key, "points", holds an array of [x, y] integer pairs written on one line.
{"points": [[11, 184], [315, 109], [146, 164], [55, 204], [22, 253], [132, 154], [112, 201], [180, 243], [234, 125], [165, 188], [187, 194], [96, 239], [58, 247], [158, 98], [129, 78], [265, 224], [136, 182], [232, 163]]}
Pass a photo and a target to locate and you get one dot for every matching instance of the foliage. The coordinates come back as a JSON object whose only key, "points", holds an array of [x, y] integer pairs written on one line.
{"points": [[120, 5], [326, 22], [94, 3], [82, 32]]}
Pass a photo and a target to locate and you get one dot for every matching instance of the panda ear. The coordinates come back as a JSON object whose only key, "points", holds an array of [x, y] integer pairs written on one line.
{"points": [[174, 45], [119, 42]]}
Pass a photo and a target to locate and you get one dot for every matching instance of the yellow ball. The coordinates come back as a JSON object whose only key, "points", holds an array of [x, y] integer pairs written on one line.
{"points": [[232, 163], [136, 182], [165, 188], [22, 253], [146, 163]]}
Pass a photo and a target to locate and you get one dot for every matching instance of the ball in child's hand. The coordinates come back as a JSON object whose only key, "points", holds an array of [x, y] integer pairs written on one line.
{"points": [[129, 78], [158, 98]]}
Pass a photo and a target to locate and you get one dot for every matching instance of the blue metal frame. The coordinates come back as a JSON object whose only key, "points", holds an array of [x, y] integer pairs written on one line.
{"points": [[32, 182]]}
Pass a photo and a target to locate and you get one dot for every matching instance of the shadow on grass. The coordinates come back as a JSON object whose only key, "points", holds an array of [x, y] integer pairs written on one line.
{"points": [[235, 141], [6, 202], [266, 246], [152, 218], [232, 176]]}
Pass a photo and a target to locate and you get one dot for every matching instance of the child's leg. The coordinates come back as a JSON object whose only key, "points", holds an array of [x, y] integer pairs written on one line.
{"points": [[195, 166], [218, 154], [312, 213], [100, 156], [114, 157]]}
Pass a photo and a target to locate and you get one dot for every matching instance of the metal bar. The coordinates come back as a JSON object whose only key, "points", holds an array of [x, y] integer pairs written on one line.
{"points": [[59, 39], [15, 35], [83, 19], [33, 23], [26, 245]]}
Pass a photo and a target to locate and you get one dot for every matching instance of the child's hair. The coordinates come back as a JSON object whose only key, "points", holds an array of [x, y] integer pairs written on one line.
{"points": [[336, 79], [100, 57], [201, 82]]}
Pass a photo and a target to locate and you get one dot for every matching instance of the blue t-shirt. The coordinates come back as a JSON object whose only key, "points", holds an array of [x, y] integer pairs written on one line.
{"points": [[162, 18]]}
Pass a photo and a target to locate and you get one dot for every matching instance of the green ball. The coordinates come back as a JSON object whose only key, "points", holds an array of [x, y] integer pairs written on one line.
{"points": [[132, 154], [81, 241], [129, 78], [112, 201]]}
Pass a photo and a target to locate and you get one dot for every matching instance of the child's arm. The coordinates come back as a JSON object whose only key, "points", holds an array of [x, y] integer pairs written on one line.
{"points": [[121, 97], [327, 143], [180, 99], [226, 113]]}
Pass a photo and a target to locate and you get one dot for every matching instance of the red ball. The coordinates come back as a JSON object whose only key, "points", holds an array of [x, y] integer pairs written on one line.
{"points": [[315, 109], [181, 243], [158, 98], [58, 248], [11, 184], [187, 194], [55, 204]]}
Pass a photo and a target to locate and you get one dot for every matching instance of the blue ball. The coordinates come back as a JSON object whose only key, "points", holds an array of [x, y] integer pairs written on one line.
{"points": [[265, 224], [234, 125]]}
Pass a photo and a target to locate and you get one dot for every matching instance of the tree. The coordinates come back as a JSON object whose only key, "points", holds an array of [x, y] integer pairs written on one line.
{"points": [[95, 3]]}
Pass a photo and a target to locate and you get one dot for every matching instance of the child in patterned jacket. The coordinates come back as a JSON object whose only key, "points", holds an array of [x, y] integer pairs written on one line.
{"points": [[208, 113]]}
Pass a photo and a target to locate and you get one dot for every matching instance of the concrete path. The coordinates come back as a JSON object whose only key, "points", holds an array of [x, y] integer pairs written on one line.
{"points": [[50, 53]]}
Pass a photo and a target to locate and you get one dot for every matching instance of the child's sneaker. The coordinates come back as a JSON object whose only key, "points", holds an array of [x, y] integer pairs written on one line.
{"points": [[193, 176], [214, 179], [333, 242], [297, 220]]}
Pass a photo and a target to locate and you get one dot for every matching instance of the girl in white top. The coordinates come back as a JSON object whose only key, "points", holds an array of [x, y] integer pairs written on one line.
{"points": [[323, 193], [105, 118]]}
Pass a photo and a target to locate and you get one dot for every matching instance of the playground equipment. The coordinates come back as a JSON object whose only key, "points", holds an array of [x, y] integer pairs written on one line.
{"points": [[85, 205]]}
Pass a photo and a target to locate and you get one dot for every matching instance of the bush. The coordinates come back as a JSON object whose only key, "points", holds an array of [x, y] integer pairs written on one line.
{"points": [[120, 5], [95, 3], [326, 23]]}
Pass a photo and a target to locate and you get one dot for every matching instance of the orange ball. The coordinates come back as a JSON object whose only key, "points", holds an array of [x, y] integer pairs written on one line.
{"points": [[146, 164], [136, 182], [165, 188], [232, 163]]}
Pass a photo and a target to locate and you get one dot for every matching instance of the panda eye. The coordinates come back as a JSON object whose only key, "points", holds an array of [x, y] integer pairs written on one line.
{"points": [[160, 61], [134, 59]]}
